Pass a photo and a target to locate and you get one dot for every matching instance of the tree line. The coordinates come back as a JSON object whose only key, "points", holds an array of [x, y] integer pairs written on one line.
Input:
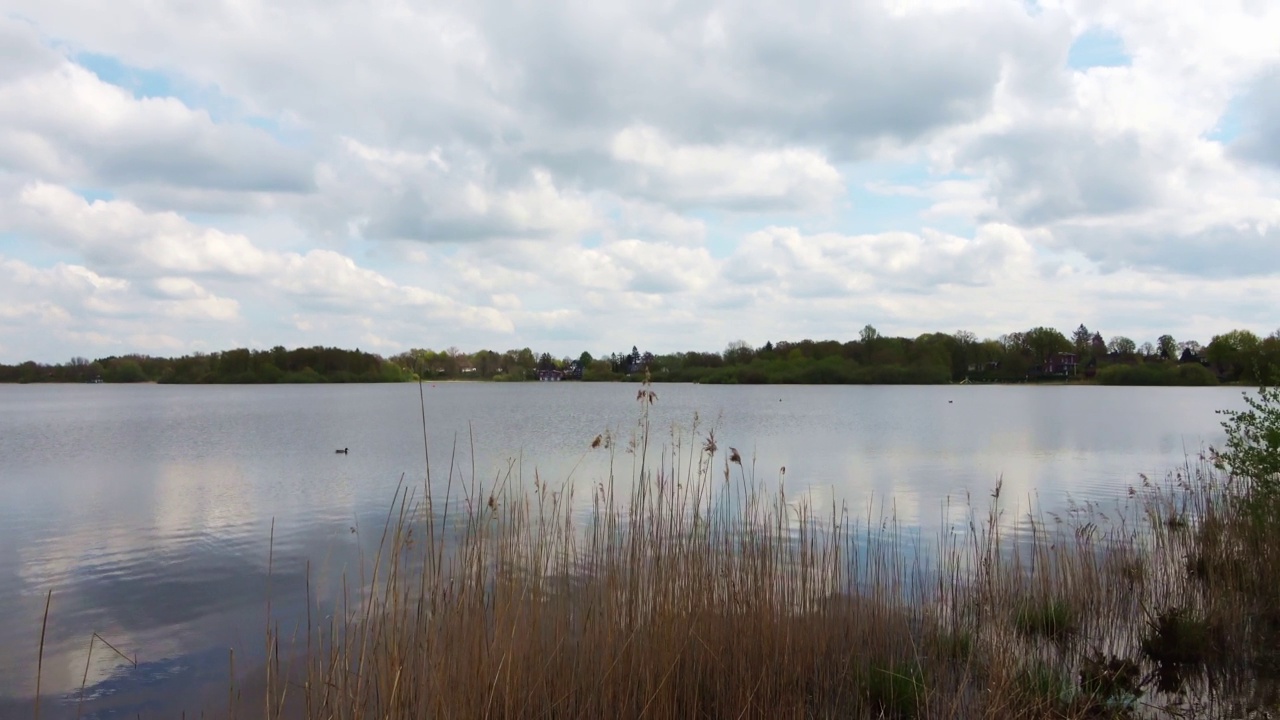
{"points": [[277, 365], [1039, 354]]}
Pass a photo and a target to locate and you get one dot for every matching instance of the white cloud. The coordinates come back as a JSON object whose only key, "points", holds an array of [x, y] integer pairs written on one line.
{"points": [[1119, 163], [568, 174], [177, 263], [69, 306], [179, 288], [186, 299], [830, 264], [119, 234], [1260, 139], [397, 194], [652, 221], [336, 282], [60, 122], [493, 70], [631, 265], [790, 178]]}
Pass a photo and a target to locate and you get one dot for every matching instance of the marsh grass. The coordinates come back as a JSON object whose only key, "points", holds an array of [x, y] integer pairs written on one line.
{"points": [[692, 589], [698, 590], [1053, 619]]}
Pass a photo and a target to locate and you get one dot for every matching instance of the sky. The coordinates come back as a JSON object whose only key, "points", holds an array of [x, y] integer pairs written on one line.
{"points": [[200, 175]]}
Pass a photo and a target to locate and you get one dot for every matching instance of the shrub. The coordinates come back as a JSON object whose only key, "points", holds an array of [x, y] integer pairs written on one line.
{"points": [[1195, 374], [1157, 374], [1253, 440]]}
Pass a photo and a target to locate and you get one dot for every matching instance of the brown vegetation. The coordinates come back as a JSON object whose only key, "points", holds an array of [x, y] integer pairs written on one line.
{"points": [[706, 596]]}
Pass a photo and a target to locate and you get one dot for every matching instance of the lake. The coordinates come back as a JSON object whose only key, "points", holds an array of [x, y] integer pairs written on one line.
{"points": [[151, 511]]}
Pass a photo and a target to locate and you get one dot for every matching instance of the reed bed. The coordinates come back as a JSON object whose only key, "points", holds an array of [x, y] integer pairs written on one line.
{"points": [[698, 591]]}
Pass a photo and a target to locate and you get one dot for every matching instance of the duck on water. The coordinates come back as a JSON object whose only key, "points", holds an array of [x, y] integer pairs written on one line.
{"points": [[343, 451]]}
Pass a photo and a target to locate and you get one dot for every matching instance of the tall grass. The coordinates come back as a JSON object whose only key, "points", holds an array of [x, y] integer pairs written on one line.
{"points": [[700, 591]]}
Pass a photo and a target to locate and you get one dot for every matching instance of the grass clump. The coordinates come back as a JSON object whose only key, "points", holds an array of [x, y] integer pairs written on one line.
{"points": [[898, 690], [955, 645], [1045, 687], [1108, 682], [1179, 637], [1053, 619]]}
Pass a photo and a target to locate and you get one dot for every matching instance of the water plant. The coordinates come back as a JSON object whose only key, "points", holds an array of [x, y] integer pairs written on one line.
{"points": [[1177, 636], [1054, 619], [1108, 682]]}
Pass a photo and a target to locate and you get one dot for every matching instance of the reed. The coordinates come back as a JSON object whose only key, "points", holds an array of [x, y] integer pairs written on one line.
{"points": [[698, 590]]}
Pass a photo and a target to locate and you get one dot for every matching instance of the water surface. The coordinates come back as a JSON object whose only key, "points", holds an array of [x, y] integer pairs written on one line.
{"points": [[148, 510]]}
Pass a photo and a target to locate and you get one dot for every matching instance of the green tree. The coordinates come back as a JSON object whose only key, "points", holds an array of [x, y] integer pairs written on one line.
{"points": [[599, 370], [1168, 347], [738, 352], [1097, 346], [1253, 440], [1043, 342], [1235, 354], [486, 363], [963, 353], [1122, 346], [1081, 339], [125, 370], [525, 361]]}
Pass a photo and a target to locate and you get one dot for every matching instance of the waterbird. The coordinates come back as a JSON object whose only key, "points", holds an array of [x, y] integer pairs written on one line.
{"points": [[343, 451]]}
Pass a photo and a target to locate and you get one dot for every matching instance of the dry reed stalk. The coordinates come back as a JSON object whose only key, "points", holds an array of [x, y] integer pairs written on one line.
{"points": [[44, 625], [695, 589]]}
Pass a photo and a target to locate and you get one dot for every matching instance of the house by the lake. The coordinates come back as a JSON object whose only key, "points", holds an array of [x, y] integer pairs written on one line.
{"points": [[1063, 363]]}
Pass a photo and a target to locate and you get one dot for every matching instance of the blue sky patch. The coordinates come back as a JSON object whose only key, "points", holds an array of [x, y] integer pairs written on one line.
{"points": [[146, 83], [92, 195], [143, 83], [592, 240], [1098, 48], [34, 252], [864, 210], [1229, 125], [877, 212]]}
